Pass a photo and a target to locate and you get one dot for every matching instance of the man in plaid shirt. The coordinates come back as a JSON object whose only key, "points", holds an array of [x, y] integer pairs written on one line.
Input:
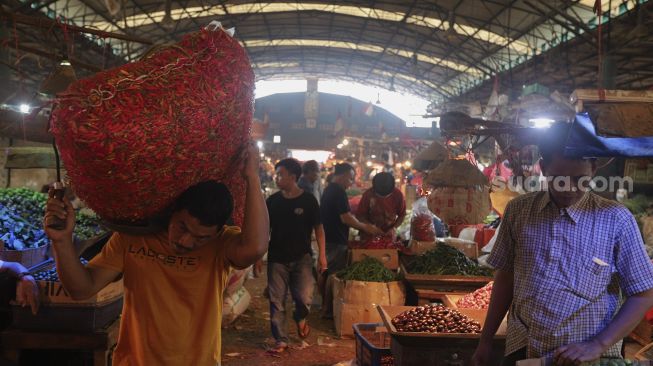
{"points": [[563, 259]]}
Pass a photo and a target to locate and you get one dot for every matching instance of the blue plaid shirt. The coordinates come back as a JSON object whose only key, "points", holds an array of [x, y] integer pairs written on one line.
{"points": [[569, 266]]}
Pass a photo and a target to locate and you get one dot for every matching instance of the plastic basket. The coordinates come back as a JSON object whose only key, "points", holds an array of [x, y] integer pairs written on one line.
{"points": [[369, 352]]}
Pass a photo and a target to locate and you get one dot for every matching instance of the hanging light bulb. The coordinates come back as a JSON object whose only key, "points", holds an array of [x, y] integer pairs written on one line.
{"points": [[451, 31], [167, 22]]}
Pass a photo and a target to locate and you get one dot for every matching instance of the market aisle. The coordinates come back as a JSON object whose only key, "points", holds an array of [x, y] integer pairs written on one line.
{"points": [[244, 342]]}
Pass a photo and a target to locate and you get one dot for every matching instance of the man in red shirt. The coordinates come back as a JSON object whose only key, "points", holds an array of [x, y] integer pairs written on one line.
{"points": [[383, 205]]}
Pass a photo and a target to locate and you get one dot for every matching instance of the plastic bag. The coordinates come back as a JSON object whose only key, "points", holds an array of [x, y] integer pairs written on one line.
{"points": [[234, 305], [421, 221]]}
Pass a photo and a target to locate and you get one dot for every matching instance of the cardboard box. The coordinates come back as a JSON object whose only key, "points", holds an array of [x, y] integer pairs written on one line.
{"points": [[420, 247], [467, 247], [389, 257], [346, 315], [356, 301], [363, 292]]}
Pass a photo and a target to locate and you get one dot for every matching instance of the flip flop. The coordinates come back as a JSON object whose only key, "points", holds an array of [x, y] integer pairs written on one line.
{"points": [[277, 350], [303, 330]]}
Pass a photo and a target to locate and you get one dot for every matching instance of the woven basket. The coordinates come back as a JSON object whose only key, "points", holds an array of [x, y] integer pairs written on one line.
{"points": [[460, 205], [135, 137], [456, 173], [430, 157]]}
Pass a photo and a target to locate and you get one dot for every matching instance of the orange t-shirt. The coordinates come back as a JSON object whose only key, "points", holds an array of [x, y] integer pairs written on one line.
{"points": [[172, 309]]}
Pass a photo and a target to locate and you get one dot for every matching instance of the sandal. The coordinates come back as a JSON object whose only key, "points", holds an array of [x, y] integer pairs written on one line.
{"points": [[303, 329], [278, 349]]}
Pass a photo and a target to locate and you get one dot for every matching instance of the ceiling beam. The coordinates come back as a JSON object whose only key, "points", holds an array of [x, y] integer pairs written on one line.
{"points": [[586, 36], [47, 23]]}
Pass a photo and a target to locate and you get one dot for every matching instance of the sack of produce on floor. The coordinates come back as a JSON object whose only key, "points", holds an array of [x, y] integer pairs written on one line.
{"points": [[234, 305], [133, 138], [236, 280]]}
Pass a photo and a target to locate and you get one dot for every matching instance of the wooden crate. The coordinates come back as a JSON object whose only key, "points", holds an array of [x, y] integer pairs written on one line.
{"points": [[68, 317], [422, 348], [645, 353], [445, 283], [346, 315], [643, 333], [448, 299], [54, 292], [28, 257], [389, 257]]}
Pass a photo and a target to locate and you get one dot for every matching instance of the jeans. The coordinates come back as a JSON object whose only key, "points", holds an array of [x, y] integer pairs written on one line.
{"points": [[298, 277]]}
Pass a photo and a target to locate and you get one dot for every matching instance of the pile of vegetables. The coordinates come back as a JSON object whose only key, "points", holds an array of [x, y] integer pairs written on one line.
{"points": [[446, 260], [435, 319], [369, 270], [21, 220], [479, 299], [21, 217]]}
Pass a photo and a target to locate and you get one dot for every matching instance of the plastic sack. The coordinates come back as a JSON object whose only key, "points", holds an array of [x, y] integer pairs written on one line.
{"points": [[236, 304], [421, 221], [236, 280]]}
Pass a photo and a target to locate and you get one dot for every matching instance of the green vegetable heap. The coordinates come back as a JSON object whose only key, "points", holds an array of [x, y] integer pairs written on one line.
{"points": [[21, 215], [21, 220], [369, 269], [446, 260]]}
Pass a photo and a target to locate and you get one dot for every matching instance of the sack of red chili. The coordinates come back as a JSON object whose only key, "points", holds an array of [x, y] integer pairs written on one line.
{"points": [[421, 222], [135, 137]]}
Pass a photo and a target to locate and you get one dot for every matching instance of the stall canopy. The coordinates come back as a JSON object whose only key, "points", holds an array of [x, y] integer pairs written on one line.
{"points": [[584, 141]]}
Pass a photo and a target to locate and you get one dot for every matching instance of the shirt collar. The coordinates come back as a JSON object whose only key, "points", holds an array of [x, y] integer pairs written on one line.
{"points": [[574, 211]]}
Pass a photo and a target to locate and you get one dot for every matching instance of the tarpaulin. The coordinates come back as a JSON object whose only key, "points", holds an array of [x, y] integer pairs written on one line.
{"points": [[583, 141]]}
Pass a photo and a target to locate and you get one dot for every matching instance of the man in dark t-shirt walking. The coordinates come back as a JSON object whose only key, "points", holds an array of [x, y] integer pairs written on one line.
{"points": [[294, 214], [338, 218]]}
